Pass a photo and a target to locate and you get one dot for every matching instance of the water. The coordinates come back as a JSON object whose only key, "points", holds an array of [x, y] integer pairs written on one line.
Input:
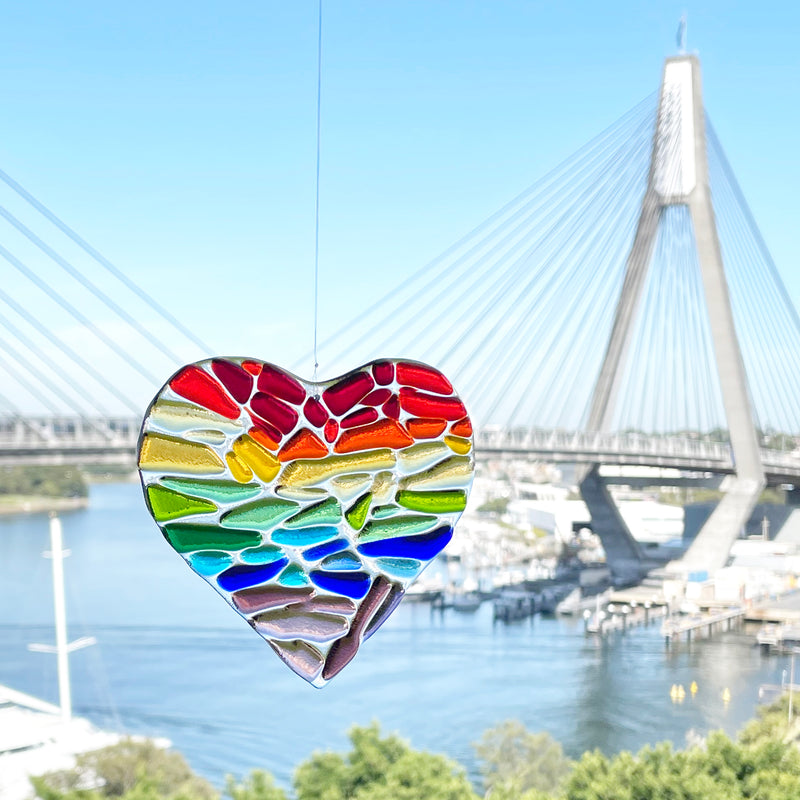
{"points": [[173, 660]]}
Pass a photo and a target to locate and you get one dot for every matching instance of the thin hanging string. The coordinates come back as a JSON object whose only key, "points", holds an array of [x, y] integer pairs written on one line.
{"points": [[316, 216]]}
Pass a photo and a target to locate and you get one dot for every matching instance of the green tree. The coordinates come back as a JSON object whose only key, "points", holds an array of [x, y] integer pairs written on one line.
{"points": [[380, 768], [259, 785], [514, 761], [131, 769]]}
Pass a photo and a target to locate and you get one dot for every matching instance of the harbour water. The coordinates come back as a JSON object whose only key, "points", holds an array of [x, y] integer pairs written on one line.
{"points": [[173, 660]]}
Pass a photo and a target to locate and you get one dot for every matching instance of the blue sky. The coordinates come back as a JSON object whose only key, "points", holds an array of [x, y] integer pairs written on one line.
{"points": [[179, 138]]}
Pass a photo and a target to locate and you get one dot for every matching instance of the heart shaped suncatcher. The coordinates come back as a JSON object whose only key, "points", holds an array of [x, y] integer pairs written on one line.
{"points": [[310, 507]]}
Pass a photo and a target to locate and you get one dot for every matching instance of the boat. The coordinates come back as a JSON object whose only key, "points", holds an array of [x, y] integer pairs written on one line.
{"points": [[36, 736]]}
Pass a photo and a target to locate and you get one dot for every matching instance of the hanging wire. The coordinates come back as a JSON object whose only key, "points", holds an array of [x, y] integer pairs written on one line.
{"points": [[316, 200]]}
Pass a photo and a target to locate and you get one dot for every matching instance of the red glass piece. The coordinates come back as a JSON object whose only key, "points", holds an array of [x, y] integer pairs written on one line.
{"points": [[197, 385], [361, 417], [423, 377], [377, 397], [268, 429], [342, 396], [253, 367], [315, 412], [304, 444], [385, 433], [383, 372], [235, 379], [392, 407], [425, 428], [462, 428], [331, 430], [279, 383], [427, 405], [283, 417]]}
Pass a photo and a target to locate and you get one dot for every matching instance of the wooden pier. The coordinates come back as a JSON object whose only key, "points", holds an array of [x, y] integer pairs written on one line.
{"points": [[674, 629]]}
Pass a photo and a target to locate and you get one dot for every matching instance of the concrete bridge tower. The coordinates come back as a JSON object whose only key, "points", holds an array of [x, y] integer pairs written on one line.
{"points": [[679, 175]]}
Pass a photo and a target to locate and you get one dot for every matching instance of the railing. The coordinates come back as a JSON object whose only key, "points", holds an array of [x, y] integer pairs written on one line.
{"points": [[38, 436], [634, 447]]}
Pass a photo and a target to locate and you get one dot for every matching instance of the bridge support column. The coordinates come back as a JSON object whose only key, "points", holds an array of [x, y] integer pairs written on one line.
{"points": [[623, 555]]}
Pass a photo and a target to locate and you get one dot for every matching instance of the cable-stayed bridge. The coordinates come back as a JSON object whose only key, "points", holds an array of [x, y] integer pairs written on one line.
{"points": [[622, 310]]}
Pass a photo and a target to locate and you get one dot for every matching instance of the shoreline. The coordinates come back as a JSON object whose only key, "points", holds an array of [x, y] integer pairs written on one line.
{"points": [[39, 505]]}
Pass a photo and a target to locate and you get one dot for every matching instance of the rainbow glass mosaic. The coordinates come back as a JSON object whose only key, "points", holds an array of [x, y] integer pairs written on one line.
{"points": [[310, 507]]}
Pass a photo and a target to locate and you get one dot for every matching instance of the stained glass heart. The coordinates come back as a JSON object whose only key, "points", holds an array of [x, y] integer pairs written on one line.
{"points": [[310, 507]]}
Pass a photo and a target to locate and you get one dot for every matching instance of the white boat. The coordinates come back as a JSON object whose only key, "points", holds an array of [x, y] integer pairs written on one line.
{"points": [[36, 736]]}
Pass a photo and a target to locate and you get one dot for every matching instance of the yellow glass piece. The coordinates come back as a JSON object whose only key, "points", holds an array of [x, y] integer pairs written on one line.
{"points": [[458, 444], [207, 436], [293, 493], [307, 472], [383, 487], [258, 458], [452, 472], [238, 468], [419, 456], [166, 454], [346, 487], [177, 417]]}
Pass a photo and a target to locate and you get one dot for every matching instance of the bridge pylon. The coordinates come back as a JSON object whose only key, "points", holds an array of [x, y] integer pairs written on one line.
{"points": [[679, 175]]}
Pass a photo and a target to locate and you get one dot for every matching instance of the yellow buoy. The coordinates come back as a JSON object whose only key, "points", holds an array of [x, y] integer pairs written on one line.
{"points": [[726, 695], [693, 688], [681, 692]]}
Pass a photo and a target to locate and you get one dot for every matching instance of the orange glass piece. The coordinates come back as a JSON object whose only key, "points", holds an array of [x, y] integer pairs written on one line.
{"points": [[304, 444], [462, 428], [421, 428], [384, 433]]}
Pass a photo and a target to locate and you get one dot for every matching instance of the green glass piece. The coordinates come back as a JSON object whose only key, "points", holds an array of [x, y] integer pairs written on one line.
{"points": [[399, 567], [261, 515], [210, 562], [293, 576], [396, 526], [168, 505], [187, 538], [433, 502], [329, 512], [356, 515], [381, 512], [218, 491], [265, 554]]}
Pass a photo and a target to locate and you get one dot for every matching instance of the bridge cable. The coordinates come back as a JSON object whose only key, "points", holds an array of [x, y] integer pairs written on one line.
{"points": [[80, 317], [103, 261], [69, 352], [87, 284]]}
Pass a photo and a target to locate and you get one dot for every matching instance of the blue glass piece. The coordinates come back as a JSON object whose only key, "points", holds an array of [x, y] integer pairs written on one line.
{"points": [[423, 546], [399, 567], [210, 562], [265, 554], [341, 562], [322, 550], [293, 576], [302, 537], [243, 576], [350, 584]]}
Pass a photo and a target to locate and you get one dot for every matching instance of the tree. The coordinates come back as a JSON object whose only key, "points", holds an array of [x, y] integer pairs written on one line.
{"points": [[380, 768], [259, 786], [132, 769], [514, 761]]}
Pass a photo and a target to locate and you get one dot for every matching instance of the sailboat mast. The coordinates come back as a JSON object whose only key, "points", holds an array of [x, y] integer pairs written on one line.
{"points": [[62, 647]]}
